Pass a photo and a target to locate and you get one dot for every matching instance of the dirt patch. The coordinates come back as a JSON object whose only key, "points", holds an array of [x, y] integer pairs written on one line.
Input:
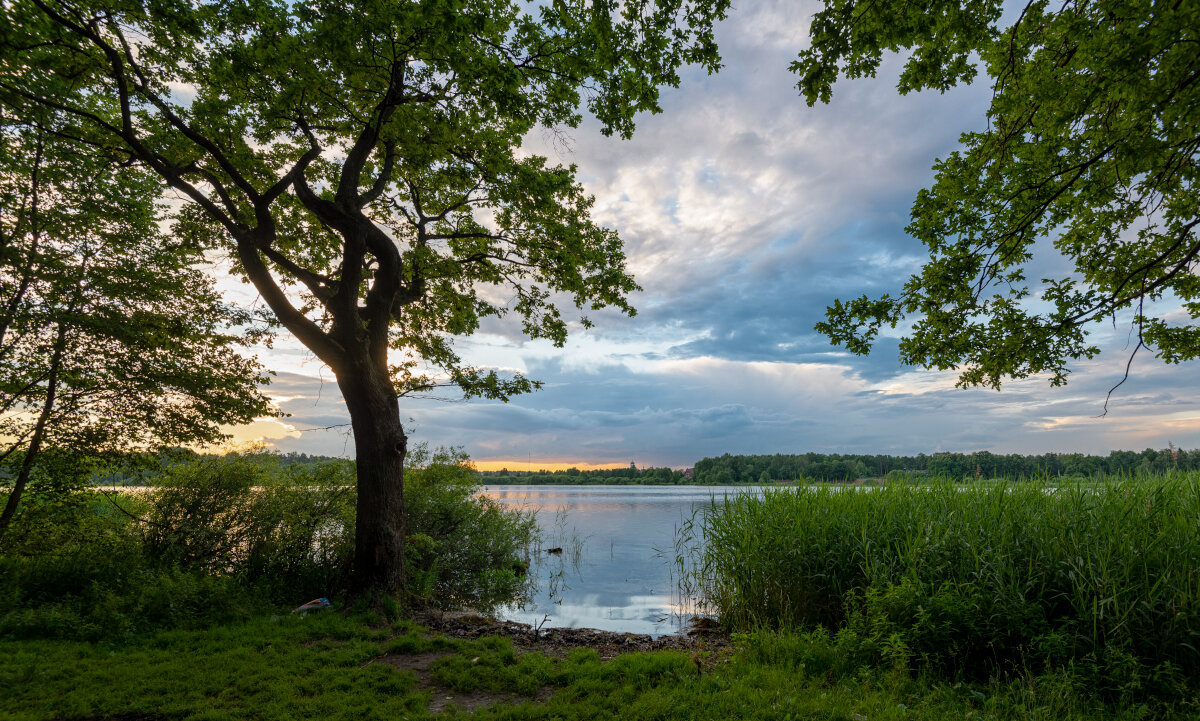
{"points": [[702, 637], [442, 698], [418, 663]]}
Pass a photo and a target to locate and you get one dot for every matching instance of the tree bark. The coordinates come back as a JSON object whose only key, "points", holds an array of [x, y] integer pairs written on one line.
{"points": [[380, 448]]}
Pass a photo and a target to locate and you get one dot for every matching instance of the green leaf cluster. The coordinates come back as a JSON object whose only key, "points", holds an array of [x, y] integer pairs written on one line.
{"points": [[112, 339], [1092, 143], [364, 157]]}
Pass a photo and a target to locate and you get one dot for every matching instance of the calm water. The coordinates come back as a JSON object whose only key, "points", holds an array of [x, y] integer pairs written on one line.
{"points": [[618, 552]]}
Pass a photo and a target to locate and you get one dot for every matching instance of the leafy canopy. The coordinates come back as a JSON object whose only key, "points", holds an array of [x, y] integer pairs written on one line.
{"points": [[1093, 142], [101, 310], [365, 156], [111, 338]]}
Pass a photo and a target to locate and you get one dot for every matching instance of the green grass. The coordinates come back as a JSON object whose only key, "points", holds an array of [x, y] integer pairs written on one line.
{"points": [[283, 668], [972, 581], [328, 666]]}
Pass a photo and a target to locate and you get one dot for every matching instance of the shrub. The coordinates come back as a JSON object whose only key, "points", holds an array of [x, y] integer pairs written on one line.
{"points": [[75, 568], [287, 529], [214, 539], [292, 528], [463, 549]]}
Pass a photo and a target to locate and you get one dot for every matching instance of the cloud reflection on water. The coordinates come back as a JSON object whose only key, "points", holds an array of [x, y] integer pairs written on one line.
{"points": [[615, 572]]}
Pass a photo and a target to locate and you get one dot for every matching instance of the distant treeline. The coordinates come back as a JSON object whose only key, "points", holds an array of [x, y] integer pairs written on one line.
{"points": [[137, 469], [729, 469], [574, 476]]}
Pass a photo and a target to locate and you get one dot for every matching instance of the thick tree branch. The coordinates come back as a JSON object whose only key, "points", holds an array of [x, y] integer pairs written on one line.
{"points": [[143, 88], [305, 330], [383, 178], [350, 179], [317, 284]]}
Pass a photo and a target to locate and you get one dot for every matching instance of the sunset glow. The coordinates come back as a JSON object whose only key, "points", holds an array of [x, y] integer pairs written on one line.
{"points": [[543, 465]]}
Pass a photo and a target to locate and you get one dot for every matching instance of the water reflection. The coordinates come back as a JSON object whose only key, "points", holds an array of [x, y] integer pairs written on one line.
{"points": [[615, 569]]}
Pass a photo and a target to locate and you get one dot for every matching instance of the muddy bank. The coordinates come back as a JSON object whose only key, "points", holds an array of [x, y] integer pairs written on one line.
{"points": [[701, 634]]}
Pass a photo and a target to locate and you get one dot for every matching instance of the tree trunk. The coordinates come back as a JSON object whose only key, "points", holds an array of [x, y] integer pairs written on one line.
{"points": [[380, 447], [39, 431]]}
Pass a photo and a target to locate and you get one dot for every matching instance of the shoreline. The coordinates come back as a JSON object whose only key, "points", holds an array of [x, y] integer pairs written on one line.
{"points": [[560, 640]]}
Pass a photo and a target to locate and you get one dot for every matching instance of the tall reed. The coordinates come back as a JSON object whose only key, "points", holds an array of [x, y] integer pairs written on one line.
{"points": [[1002, 574]]}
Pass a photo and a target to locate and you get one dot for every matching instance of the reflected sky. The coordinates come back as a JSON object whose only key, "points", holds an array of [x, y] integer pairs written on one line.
{"points": [[615, 571]]}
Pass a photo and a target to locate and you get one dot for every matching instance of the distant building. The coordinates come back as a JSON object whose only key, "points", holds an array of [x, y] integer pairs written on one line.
{"points": [[687, 473]]}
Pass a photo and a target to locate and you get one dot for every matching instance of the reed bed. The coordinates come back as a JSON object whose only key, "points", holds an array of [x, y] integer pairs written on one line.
{"points": [[974, 578]]}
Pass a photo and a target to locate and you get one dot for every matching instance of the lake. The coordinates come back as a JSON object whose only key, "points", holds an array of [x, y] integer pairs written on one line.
{"points": [[615, 569]]}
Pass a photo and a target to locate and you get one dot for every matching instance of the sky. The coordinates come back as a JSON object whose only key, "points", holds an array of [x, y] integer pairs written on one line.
{"points": [[744, 213]]}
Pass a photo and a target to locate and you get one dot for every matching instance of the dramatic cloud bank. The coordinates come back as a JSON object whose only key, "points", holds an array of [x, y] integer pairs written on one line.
{"points": [[744, 213]]}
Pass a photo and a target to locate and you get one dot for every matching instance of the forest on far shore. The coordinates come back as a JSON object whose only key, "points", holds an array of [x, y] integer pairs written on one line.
{"points": [[833, 467], [730, 469]]}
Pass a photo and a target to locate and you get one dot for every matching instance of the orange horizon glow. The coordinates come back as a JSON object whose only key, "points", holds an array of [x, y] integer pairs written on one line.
{"points": [[515, 465]]}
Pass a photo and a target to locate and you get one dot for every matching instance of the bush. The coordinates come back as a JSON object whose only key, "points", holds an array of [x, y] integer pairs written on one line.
{"points": [[463, 549], [289, 529], [76, 568], [214, 539], [292, 529]]}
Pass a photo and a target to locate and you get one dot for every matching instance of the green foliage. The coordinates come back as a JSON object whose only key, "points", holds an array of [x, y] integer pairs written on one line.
{"points": [[292, 527], [573, 476], [1091, 142], [111, 339], [74, 567], [214, 539], [981, 465], [57, 523], [246, 516], [465, 549], [428, 103], [972, 581], [332, 666]]}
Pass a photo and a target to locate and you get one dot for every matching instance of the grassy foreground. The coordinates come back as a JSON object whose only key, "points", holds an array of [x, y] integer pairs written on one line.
{"points": [[330, 666]]}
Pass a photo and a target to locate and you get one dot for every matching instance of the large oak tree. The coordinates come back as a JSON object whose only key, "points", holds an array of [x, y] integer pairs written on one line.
{"points": [[362, 161], [1092, 141]]}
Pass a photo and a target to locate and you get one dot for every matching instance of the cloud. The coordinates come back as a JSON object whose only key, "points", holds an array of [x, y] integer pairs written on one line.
{"points": [[745, 213], [673, 411]]}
